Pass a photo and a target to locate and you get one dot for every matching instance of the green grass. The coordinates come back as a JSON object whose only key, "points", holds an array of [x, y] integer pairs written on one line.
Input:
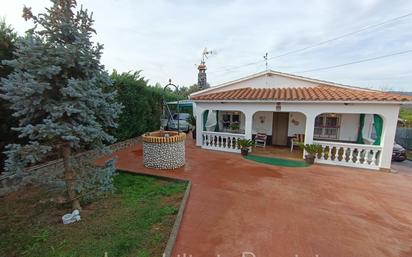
{"points": [[409, 154], [405, 113], [135, 221], [276, 161]]}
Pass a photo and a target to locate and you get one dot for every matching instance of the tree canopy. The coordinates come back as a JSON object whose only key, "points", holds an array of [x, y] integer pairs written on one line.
{"points": [[58, 90], [7, 45]]}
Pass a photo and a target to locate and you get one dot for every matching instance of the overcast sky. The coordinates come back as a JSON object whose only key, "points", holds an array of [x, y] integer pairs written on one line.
{"points": [[165, 39]]}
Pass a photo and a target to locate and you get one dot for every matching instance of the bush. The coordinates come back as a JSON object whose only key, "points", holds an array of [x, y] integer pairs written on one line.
{"points": [[142, 103], [311, 148], [245, 143]]}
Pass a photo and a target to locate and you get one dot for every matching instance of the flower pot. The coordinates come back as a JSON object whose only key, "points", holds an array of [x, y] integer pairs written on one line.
{"points": [[310, 159], [244, 151]]}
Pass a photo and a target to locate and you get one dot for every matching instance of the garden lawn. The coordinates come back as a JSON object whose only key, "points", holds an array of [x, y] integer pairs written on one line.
{"points": [[135, 221]]}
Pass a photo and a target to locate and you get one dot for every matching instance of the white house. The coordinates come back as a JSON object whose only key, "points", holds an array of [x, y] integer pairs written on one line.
{"points": [[355, 126]]}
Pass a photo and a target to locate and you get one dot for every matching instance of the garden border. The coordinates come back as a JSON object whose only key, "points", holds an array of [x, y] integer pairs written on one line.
{"points": [[176, 226]]}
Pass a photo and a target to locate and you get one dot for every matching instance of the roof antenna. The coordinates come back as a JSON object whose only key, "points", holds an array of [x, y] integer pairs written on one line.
{"points": [[205, 54], [265, 57]]}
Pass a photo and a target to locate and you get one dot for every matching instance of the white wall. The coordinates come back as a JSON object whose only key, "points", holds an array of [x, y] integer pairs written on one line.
{"points": [[349, 125], [265, 81], [296, 127], [297, 123], [266, 126]]}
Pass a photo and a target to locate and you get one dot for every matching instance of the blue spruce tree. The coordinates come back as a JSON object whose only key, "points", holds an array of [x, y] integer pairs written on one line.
{"points": [[59, 91]]}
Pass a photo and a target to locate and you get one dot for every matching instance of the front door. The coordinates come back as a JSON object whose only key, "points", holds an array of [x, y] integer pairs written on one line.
{"points": [[280, 128]]}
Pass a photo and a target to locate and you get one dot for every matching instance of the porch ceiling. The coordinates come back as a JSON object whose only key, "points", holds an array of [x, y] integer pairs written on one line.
{"points": [[319, 93]]}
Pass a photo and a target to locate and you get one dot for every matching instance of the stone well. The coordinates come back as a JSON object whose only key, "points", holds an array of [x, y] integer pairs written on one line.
{"points": [[164, 149]]}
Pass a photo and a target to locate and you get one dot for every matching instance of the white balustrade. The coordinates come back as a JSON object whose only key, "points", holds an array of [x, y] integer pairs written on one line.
{"points": [[351, 155], [221, 141]]}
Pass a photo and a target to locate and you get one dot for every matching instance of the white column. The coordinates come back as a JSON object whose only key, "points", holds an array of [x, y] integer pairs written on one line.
{"points": [[248, 124], [199, 125], [309, 129], [387, 140]]}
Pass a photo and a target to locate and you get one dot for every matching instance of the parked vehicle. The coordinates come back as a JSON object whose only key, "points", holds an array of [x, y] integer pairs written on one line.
{"points": [[398, 153], [184, 123]]}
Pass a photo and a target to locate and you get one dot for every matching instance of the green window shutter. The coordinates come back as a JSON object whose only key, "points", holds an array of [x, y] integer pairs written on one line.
{"points": [[359, 139], [205, 114], [378, 124], [217, 121]]}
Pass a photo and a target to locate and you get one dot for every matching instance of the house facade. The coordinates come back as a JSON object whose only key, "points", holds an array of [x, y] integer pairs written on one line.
{"points": [[355, 126]]}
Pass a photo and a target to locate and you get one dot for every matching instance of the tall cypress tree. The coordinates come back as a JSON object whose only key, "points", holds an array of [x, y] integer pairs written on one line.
{"points": [[59, 91]]}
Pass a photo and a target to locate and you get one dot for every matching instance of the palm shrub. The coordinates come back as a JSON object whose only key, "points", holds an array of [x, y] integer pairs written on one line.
{"points": [[245, 145], [311, 151]]}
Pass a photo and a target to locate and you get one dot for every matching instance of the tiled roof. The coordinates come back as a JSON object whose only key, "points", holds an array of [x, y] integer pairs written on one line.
{"points": [[318, 93]]}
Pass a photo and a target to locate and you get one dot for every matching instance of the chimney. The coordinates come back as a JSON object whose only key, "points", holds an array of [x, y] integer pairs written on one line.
{"points": [[201, 76]]}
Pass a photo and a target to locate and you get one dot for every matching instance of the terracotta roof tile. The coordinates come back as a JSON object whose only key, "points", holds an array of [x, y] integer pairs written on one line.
{"points": [[319, 93]]}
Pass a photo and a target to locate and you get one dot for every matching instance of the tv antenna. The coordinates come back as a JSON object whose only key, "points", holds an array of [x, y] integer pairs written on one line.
{"points": [[205, 54], [265, 57]]}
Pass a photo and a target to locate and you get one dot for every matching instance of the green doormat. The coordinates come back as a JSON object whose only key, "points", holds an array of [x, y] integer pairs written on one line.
{"points": [[277, 161]]}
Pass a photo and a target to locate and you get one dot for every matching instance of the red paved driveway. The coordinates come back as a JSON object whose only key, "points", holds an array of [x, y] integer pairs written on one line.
{"points": [[237, 206]]}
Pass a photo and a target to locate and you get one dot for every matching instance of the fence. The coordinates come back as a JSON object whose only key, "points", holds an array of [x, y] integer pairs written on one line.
{"points": [[404, 137], [51, 173]]}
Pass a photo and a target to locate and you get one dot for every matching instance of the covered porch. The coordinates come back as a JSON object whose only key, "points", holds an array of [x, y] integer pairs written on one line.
{"points": [[354, 135]]}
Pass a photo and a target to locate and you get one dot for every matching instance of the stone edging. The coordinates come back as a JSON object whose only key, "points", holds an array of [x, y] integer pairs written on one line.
{"points": [[176, 226]]}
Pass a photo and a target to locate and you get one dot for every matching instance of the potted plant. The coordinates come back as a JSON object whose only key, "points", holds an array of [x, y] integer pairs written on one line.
{"points": [[192, 121], [245, 145], [234, 127], [311, 151]]}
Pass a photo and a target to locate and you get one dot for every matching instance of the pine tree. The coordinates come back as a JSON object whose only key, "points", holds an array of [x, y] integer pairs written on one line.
{"points": [[7, 45], [59, 91]]}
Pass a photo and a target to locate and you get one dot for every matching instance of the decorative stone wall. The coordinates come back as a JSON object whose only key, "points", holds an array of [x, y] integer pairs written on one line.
{"points": [[51, 173], [164, 150]]}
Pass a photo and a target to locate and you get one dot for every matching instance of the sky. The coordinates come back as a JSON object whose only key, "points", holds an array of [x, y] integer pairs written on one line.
{"points": [[165, 39]]}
